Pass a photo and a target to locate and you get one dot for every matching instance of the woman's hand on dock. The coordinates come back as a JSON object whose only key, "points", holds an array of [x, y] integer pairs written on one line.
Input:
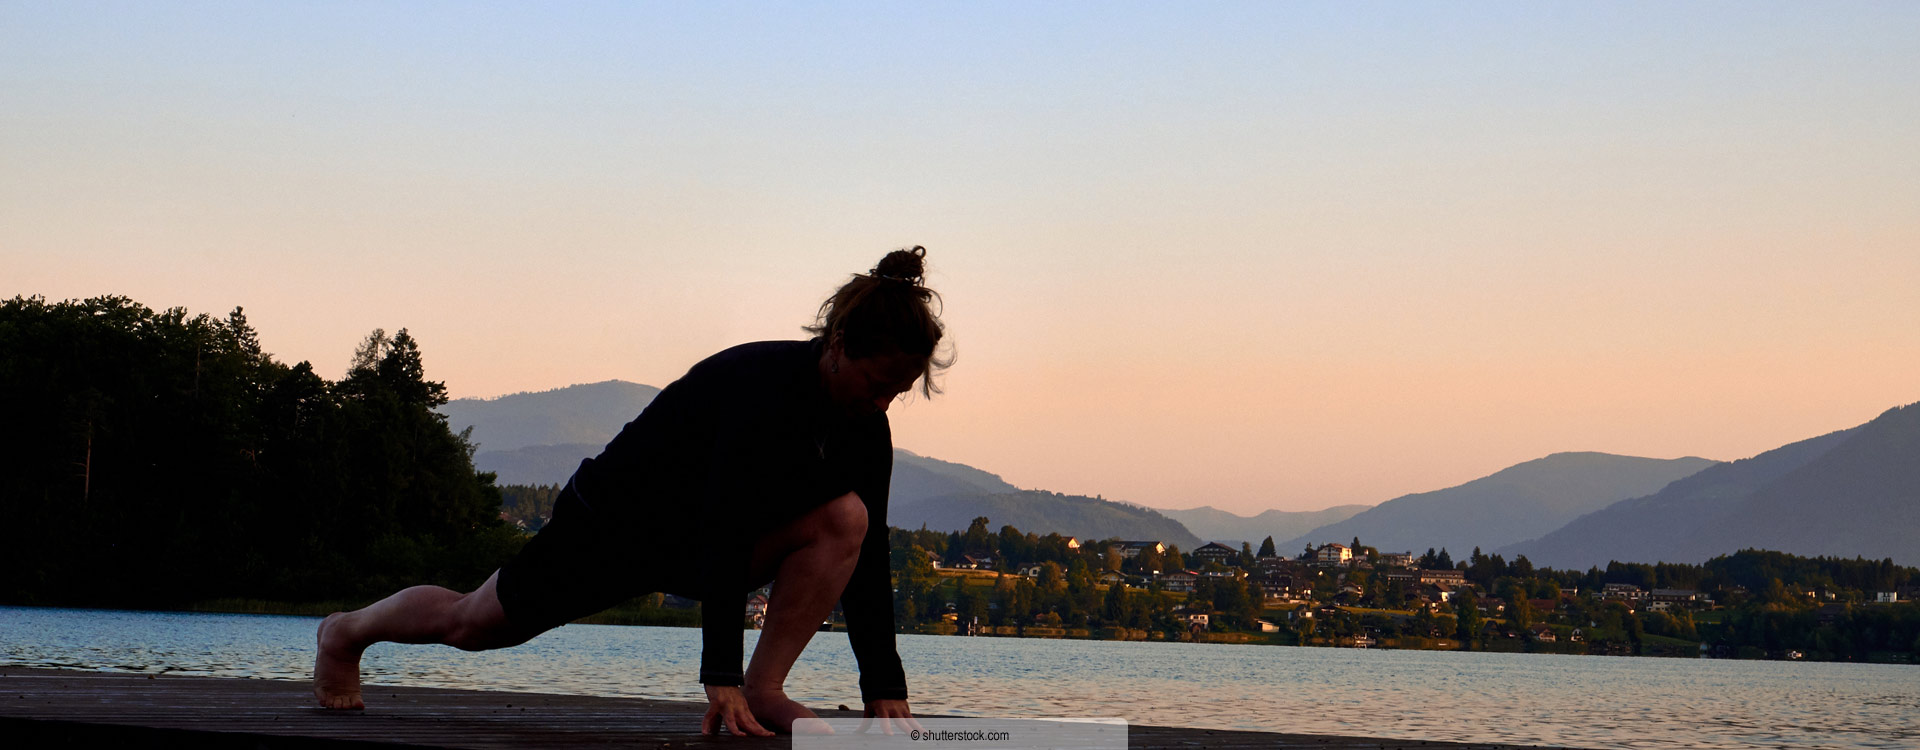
{"points": [[892, 713], [728, 705]]}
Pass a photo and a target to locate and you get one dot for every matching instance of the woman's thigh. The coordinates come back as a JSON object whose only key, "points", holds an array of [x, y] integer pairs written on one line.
{"points": [[584, 562], [841, 520], [575, 566]]}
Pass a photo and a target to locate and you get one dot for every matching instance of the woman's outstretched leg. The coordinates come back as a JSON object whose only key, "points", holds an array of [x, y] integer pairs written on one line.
{"points": [[811, 561], [422, 614]]}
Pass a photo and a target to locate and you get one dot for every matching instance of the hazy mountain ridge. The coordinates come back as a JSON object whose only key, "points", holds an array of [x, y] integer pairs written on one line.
{"points": [[914, 476], [1622, 531], [1861, 498], [585, 413], [1853, 493], [1514, 504], [1041, 512], [536, 464], [947, 496], [923, 490], [955, 472], [1215, 525]]}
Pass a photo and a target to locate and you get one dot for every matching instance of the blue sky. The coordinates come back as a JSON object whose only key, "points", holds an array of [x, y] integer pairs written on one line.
{"points": [[1243, 254]]}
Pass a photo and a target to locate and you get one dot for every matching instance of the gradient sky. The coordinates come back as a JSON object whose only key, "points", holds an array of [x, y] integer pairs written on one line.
{"points": [[1250, 255]]}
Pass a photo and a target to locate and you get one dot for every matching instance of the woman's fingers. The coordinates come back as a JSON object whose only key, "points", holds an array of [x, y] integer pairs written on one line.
{"points": [[727, 706], [739, 723], [891, 714], [904, 719], [742, 723]]}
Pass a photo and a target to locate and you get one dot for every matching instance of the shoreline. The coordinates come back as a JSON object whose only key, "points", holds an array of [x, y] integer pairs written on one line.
{"points": [[659, 616]]}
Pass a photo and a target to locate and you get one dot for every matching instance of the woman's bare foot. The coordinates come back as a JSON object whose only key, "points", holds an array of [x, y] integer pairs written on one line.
{"points": [[775, 711], [336, 670]]}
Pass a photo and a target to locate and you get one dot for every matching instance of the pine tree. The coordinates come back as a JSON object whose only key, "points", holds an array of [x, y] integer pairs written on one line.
{"points": [[1114, 608]]}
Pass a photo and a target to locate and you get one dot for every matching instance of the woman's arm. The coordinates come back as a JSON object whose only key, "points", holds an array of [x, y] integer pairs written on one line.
{"points": [[868, 600], [723, 614]]}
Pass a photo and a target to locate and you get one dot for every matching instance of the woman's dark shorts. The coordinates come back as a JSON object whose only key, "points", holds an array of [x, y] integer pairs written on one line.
{"points": [[581, 563]]}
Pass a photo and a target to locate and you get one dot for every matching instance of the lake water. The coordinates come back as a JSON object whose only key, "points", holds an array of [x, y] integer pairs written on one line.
{"points": [[1577, 701]]}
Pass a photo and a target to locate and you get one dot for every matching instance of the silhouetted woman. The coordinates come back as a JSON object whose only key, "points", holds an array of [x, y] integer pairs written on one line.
{"points": [[766, 462]]}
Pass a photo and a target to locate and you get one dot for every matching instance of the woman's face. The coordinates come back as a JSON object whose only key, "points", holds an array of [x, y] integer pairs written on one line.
{"points": [[868, 385]]}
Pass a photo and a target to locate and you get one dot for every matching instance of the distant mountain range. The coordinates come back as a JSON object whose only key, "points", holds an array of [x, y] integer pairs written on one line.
{"points": [[536, 464], [917, 477], [1232, 529], [1853, 493], [1511, 505], [540, 438], [590, 413], [1043, 512], [947, 496]]}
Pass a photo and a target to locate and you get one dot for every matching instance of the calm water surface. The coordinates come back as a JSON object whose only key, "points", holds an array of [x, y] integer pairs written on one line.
{"points": [[1578, 701]]}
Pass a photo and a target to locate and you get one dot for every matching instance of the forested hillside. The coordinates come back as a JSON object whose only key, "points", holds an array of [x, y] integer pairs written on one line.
{"points": [[156, 458]]}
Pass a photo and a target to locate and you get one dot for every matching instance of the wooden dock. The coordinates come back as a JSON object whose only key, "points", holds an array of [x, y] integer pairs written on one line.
{"points": [[64, 708]]}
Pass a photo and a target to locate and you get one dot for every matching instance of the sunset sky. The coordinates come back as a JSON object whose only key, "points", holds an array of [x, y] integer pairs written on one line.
{"points": [[1248, 255]]}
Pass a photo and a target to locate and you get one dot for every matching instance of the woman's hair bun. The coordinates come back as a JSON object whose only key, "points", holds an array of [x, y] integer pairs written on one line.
{"points": [[906, 264], [887, 310]]}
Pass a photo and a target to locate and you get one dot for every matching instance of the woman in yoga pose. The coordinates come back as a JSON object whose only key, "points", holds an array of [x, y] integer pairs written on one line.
{"points": [[766, 462]]}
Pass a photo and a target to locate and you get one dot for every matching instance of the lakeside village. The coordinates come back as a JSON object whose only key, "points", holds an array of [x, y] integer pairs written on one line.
{"points": [[1752, 604], [263, 487]]}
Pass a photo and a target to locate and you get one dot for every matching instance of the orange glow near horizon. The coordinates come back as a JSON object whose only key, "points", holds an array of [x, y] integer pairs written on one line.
{"points": [[1249, 256]]}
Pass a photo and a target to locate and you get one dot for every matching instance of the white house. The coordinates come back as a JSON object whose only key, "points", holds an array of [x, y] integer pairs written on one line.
{"points": [[1334, 553]]}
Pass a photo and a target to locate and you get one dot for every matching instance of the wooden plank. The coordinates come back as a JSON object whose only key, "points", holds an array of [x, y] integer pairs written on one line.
{"points": [[65, 708]]}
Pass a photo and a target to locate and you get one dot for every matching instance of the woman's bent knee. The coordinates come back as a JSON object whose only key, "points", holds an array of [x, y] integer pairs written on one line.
{"points": [[480, 623], [486, 635], [836, 528], [487, 638], [844, 518]]}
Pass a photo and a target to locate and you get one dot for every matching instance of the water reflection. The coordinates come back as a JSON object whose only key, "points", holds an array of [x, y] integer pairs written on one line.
{"points": [[1579, 701]]}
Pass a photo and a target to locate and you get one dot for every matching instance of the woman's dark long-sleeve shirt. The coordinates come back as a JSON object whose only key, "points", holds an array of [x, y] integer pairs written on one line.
{"points": [[747, 441]]}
